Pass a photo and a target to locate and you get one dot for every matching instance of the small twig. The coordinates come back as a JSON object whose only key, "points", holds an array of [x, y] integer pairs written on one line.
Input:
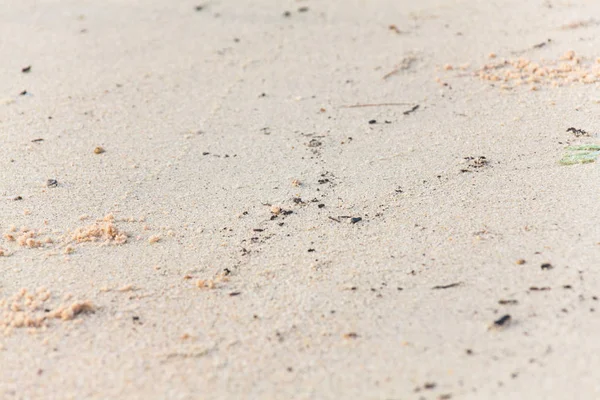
{"points": [[334, 219], [377, 105], [451, 285], [415, 108]]}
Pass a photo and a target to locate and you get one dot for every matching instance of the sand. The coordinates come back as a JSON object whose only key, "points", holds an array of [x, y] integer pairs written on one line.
{"points": [[243, 200]]}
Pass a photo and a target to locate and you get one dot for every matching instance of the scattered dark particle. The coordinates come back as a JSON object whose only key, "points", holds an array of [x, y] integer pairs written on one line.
{"points": [[135, 318], [578, 132], [205, 153], [399, 288], [226, 271], [539, 289], [520, 261], [236, 40], [504, 320], [287, 212], [290, 369], [321, 205], [266, 130], [595, 298], [334, 219], [387, 122], [311, 250], [233, 294], [314, 143], [564, 310], [40, 371], [303, 9], [567, 287], [547, 266], [429, 385], [415, 108], [262, 95], [322, 181], [280, 224], [399, 190], [245, 213], [37, 140], [23, 93], [287, 14], [353, 288], [199, 8], [51, 183], [255, 316], [373, 290], [451, 285], [26, 69], [373, 121], [297, 200], [351, 335], [355, 220], [469, 352], [17, 198], [592, 309], [446, 396], [258, 230], [505, 302]]}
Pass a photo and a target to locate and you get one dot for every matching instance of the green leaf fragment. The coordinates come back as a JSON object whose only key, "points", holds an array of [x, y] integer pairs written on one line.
{"points": [[581, 154]]}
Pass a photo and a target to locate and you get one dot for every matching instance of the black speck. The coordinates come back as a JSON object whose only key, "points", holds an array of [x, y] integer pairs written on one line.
{"points": [[303, 9], [502, 320], [26, 69], [311, 250], [321, 205], [547, 266], [205, 153], [233, 294], [287, 14], [23, 93], [199, 8], [51, 183], [373, 121], [17, 198], [355, 220]]}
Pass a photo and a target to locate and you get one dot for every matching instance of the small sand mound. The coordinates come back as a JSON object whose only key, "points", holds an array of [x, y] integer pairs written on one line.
{"points": [[105, 231], [32, 310]]}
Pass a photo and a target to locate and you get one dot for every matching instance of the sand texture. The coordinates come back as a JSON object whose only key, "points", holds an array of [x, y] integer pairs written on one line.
{"points": [[342, 199]]}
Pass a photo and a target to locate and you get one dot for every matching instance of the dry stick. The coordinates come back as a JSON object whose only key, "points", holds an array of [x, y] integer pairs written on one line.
{"points": [[378, 105]]}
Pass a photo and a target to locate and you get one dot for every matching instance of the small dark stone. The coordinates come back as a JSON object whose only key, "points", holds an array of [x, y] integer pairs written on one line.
{"points": [[303, 9], [321, 205], [547, 266], [287, 14], [373, 121], [355, 220], [311, 250], [23, 93], [233, 294], [51, 183], [26, 69]]}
